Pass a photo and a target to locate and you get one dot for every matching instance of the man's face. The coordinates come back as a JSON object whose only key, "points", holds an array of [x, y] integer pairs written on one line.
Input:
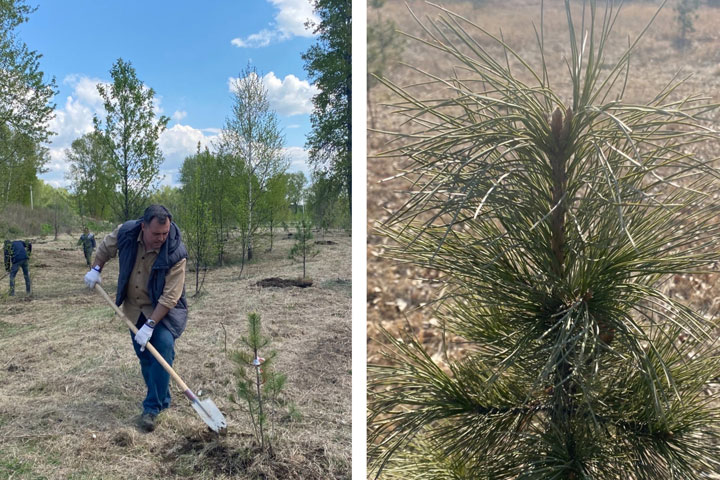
{"points": [[155, 233]]}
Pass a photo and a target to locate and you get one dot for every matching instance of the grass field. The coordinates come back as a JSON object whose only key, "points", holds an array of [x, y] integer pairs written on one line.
{"points": [[71, 386]]}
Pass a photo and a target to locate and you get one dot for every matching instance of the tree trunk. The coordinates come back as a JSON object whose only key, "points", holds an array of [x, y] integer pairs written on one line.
{"points": [[249, 231]]}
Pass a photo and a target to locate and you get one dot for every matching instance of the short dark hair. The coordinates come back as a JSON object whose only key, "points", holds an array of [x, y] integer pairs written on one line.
{"points": [[156, 211]]}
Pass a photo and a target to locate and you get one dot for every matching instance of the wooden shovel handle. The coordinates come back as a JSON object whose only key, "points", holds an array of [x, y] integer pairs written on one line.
{"points": [[148, 345]]}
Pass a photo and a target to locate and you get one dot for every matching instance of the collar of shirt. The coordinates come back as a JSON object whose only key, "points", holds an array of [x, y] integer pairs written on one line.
{"points": [[142, 244]]}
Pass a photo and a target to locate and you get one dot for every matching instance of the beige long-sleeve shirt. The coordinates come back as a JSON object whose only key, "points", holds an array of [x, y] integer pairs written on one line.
{"points": [[138, 298]]}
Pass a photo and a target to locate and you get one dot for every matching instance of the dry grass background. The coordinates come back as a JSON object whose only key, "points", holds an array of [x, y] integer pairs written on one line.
{"points": [[397, 295], [70, 384]]}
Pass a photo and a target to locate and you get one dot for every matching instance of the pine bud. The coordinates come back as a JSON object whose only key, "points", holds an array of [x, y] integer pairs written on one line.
{"points": [[556, 124], [565, 133]]}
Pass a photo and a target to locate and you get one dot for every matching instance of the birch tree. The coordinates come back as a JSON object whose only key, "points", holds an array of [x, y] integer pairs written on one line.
{"points": [[253, 137]]}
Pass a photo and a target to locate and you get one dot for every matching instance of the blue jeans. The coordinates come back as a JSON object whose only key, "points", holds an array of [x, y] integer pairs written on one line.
{"points": [[13, 271], [156, 378]]}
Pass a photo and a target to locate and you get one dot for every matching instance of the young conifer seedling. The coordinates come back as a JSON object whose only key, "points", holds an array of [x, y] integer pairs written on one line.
{"points": [[304, 247], [554, 218], [259, 385]]}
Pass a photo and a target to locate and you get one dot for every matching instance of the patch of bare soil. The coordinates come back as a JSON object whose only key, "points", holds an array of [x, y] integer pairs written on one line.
{"points": [[71, 387], [284, 282]]}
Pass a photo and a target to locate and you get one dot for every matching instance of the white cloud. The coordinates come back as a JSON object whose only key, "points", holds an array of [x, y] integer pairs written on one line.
{"points": [[298, 158], [71, 121], [261, 39], [290, 20], [178, 142], [179, 115], [293, 15], [74, 119], [289, 96]]}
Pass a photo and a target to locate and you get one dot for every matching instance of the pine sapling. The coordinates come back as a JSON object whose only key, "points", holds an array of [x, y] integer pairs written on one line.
{"points": [[304, 248], [258, 384], [555, 217]]}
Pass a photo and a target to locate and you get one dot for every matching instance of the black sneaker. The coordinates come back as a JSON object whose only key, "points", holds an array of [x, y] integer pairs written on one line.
{"points": [[147, 422]]}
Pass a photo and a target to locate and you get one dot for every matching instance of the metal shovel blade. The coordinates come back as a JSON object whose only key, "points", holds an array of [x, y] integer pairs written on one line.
{"points": [[210, 414]]}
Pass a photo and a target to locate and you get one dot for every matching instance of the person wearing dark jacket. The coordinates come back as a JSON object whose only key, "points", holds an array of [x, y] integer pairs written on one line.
{"points": [[87, 240], [151, 292], [16, 256]]}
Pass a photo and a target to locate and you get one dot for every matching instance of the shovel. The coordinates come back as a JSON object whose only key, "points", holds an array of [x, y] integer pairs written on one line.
{"points": [[207, 409]]}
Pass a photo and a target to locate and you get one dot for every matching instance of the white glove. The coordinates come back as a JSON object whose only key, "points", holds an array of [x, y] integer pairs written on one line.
{"points": [[143, 335], [92, 277]]}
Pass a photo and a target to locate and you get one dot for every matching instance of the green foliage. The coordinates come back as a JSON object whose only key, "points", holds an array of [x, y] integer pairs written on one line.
{"points": [[25, 96], [258, 384], [273, 205], [553, 227], [328, 64], [229, 185], [131, 132], [304, 248], [169, 196], [25, 108], [686, 14], [91, 174], [21, 159], [195, 218], [326, 204], [296, 190]]}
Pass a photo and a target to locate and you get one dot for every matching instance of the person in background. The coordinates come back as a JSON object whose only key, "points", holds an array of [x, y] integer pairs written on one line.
{"points": [[87, 240], [17, 256], [151, 290]]}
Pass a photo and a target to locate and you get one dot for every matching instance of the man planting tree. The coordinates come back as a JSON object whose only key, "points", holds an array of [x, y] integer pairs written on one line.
{"points": [[151, 291], [16, 256]]}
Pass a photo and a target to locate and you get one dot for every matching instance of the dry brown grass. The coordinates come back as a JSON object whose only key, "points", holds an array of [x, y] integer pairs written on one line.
{"points": [[71, 386], [396, 294]]}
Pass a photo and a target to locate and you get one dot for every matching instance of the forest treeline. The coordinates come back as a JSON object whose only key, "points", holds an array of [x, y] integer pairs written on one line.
{"points": [[239, 184]]}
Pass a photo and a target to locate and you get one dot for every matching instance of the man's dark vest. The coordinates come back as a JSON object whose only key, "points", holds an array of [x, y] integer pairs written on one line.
{"points": [[171, 252], [18, 251]]}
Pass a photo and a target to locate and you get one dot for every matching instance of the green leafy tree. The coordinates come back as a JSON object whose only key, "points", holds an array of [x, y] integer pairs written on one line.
{"points": [[196, 219], [227, 189], [304, 247], [326, 204], [296, 190], [328, 64], [259, 385], [273, 207], [25, 96], [171, 197], [62, 213], [554, 226], [253, 138], [91, 175], [132, 131], [21, 159]]}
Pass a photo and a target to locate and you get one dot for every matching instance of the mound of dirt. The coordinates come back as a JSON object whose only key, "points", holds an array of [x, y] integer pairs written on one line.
{"points": [[284, 282]]}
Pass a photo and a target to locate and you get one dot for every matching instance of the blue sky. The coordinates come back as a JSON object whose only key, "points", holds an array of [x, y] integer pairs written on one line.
{"points": [[188, 52]]}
